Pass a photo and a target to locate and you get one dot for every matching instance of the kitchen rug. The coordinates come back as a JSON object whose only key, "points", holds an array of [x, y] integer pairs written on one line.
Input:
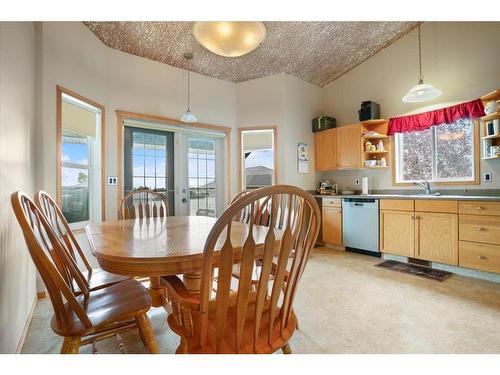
{"points": [[415, 269]]}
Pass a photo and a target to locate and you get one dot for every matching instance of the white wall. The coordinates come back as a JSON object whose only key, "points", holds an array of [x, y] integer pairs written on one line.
{"points": [[17, 119], [290, 104], [76, 59], [461, 59]]}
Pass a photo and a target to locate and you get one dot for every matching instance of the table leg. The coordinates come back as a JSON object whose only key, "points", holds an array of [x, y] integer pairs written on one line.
{"points": [[192, 282], [157, 292]]}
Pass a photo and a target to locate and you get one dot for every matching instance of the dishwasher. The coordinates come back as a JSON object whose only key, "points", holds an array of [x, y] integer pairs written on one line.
{"points": [[360, 228]]}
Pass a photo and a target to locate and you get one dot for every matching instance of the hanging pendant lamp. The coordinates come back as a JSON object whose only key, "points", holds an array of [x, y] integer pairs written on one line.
{"points": [[188, 116], [422, 91]]}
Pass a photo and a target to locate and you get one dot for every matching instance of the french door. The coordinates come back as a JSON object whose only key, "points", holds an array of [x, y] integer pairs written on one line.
{"points": [[149, 162]]}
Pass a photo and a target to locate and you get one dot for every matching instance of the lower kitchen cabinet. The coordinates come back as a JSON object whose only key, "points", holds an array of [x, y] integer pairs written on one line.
{"points": [[397, 233], [480, 256], [436, 237], [332, 225]]}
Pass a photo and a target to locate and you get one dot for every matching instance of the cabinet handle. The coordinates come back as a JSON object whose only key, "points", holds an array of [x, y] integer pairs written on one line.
{"points": [[479, 229], [479, 208], [414, 217], [481, 257]]}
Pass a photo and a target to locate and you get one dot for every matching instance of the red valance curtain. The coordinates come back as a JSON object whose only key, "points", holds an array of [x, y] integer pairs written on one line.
{"points": [[425, 120]]}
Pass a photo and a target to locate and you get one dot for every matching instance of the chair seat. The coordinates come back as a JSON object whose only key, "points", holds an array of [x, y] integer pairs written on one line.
{"points": [[278, 339], [106, 306], [101, 279]]}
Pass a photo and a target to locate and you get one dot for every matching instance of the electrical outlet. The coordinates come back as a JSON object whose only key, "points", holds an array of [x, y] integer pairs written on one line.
{"points": [[112, 180], [356, 181], [487, 177]]}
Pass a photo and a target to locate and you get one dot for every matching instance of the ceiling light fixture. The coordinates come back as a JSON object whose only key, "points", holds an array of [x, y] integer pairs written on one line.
{"points": [[188, 116], [229, 39], [422, 91]]}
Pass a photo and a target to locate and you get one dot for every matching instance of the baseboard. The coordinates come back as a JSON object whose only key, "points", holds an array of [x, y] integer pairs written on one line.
{"points": [[26, 327], [335, 247]]}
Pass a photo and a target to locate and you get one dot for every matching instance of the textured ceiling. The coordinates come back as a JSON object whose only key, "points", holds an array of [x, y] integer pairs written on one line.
{"points": [[317, 52]]}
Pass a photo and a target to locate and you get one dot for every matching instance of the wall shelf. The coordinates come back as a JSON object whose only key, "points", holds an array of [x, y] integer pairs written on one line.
{"points": [[376, 152], [379, 136], [493, 136], [491, 116], [491, 157]]}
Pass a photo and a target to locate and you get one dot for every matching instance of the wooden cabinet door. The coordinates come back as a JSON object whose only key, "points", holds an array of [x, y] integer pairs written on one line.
{"points": [[349, 146], [325, 150], [397, 233], [332, 225], [437, 237]]}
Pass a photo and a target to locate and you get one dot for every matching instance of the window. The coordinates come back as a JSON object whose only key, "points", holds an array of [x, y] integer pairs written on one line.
{"points": [[201, 175], [258, 157], [80, 189], [443, 153]]}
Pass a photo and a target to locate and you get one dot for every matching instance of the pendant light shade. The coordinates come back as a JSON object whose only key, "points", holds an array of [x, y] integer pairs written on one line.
{"points": [[188, 116], [422, 91], [229, 39]]}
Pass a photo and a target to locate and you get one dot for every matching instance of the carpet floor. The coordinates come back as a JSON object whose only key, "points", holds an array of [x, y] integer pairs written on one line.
{"points": [[346, 305]]}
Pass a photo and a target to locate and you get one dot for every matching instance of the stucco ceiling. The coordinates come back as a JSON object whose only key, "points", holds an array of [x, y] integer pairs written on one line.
{"points": [[317, 52]]}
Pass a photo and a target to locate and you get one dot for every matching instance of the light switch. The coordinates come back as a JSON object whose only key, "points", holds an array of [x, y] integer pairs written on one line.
{"points": [[487, 177], [112, 180]]}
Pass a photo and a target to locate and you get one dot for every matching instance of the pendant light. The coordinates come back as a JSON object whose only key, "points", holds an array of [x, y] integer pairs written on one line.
{"points": [[188, 116], [229, 39], [422, 91]]}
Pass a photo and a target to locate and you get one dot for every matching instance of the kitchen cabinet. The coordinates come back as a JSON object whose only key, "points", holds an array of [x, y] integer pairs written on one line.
{"points": [[428, 235], [332, 221], [325, 150], [479, 227], [349, 146], [397, 233], [436, 236]]}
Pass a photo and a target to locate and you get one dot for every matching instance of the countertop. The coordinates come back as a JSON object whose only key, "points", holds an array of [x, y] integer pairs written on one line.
{"points": [[493, 195]]}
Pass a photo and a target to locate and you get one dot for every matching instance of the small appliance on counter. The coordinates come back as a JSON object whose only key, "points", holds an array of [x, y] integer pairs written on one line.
{"points": [[327, 188], [323, 123], [369, 111]]}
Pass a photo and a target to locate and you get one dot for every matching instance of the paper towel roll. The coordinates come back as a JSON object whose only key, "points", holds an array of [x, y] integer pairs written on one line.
{"points": [[364, 186]]}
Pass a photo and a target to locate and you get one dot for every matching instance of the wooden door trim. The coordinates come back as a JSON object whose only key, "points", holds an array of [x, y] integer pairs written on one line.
{"points": [[121, 116], [59, 91], [274, 128]]}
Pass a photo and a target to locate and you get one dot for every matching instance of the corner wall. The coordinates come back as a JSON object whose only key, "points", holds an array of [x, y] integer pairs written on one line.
{"points": [[17, 123]]}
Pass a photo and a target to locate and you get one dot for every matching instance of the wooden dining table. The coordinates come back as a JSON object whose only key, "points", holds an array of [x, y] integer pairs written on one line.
{"points": [[156, 247]]}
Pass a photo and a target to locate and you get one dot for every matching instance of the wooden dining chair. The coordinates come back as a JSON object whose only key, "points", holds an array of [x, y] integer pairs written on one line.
{"points": [[95, 278], [249, 321], [143, 203], [91, 315]]}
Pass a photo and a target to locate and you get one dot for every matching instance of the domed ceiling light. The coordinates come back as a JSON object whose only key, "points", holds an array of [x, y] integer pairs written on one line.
{"points": [[188, 116], [422, 91], [229, 39]]}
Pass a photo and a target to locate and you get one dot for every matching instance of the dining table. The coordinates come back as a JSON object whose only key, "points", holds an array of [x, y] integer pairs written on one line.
{"points": [[164, 246]]}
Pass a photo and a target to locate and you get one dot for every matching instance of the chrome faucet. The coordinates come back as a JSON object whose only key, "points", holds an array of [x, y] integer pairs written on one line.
{"points": [[424, 184]]}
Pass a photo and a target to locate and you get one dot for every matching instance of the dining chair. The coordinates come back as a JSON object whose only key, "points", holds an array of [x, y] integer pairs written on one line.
{"points": [[95, 278], [146, 204], [88, 316], [143, 203], [259, 320]]}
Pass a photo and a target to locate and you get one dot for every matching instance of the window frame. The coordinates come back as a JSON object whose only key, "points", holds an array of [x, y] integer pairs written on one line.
{"points": [[60, 91], [450, 182], [241, 159]]}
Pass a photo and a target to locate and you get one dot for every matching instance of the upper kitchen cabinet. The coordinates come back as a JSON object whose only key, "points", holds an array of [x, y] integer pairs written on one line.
{"points": [[349, 146], [325, 146]]}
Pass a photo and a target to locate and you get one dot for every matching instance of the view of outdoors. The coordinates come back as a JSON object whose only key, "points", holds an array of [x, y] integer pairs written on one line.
{"points": [[149, 161], [443, 152], [258, 154], [75, 177], [201, 174]]}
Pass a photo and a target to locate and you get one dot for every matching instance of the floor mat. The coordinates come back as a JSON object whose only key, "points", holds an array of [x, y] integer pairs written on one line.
{"points": [[415, 269]]}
